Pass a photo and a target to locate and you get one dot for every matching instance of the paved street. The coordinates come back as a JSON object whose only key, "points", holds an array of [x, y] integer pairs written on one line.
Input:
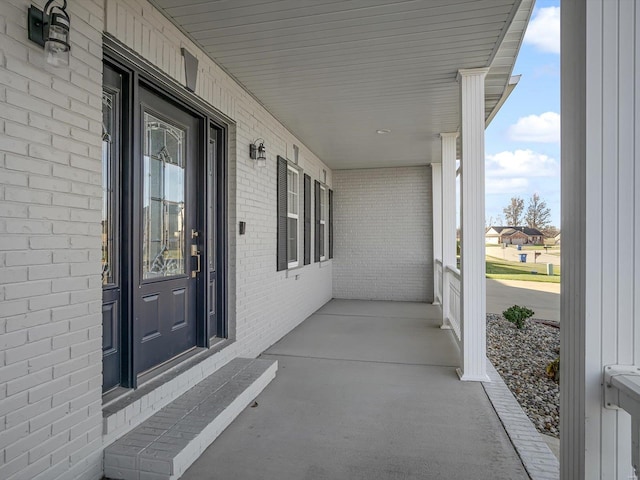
{"points": [[542, 298]]}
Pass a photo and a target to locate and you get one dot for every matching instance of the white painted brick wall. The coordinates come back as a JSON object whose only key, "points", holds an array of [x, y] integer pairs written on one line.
{"points": [[50, 294], [50, 199], [383, 235]]}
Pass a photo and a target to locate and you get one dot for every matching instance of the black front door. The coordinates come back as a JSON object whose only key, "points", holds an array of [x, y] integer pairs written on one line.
{"points": [[164, 225], [166, 230]]}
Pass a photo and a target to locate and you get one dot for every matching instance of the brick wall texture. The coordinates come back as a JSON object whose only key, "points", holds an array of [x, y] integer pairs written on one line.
{"points": [[50, 290], [51, 424], [383, 234]]}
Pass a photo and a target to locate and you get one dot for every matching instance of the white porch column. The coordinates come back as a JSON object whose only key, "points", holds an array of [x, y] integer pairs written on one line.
{"points": [[448, 215], [436, 189], [600, 291], [473, 286]]}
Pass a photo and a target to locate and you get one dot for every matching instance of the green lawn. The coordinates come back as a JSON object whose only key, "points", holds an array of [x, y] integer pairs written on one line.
{"points": [[505, 270]]}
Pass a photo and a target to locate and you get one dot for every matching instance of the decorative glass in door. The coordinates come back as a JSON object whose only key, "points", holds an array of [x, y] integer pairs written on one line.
{"points": [[110, 223], [108, 194], [164, 239]]}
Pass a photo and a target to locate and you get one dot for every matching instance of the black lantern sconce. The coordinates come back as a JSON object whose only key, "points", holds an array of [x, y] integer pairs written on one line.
{"points": [[49, 28], [257, 151]]}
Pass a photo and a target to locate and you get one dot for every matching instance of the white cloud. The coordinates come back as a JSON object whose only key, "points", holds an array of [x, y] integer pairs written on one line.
{"points": [[544, 128], [510, 186], [510, 172], [544, 30]]}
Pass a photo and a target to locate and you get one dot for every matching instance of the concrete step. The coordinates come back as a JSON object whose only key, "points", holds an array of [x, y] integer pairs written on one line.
{"points": [[168, 442]]}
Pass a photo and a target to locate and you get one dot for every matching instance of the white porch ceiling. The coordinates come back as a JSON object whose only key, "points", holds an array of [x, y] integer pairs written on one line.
{"points": [[335, 71]]}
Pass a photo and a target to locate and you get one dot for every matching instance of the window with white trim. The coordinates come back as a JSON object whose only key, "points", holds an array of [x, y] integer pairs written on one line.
{"points": [[293, 209]]}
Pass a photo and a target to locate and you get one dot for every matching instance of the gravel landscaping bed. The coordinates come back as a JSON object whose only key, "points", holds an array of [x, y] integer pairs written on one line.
{"points": [[520, 356]]}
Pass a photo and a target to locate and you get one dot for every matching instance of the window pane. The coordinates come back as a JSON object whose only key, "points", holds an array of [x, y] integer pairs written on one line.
{"points": [[108, 221], [323, 207], [322, 240], [164, 185], [290, 181], [292, 192], [292, 240]]}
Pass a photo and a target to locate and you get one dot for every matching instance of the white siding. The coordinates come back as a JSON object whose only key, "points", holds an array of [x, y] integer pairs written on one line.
{"points": [[50, 236], [601, 225], [383, 234]]}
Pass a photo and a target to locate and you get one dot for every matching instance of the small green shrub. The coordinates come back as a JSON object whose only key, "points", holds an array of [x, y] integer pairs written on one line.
{"points": [[553, 369], [518, 315]]}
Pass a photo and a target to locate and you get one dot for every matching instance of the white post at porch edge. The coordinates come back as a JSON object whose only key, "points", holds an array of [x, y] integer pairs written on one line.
{"points": [[473, 284], [436, 188], [449, 152]]}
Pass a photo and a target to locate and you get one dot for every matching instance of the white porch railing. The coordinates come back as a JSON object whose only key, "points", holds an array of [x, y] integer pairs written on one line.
{"points": [[622, 391], [438, 281], [451, 281]]}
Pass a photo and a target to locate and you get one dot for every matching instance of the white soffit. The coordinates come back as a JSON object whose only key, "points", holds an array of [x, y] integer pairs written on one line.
{"points": [[336, 71]]}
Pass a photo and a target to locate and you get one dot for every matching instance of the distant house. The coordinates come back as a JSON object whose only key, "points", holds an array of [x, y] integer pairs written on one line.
{"points": [[513, 235]]}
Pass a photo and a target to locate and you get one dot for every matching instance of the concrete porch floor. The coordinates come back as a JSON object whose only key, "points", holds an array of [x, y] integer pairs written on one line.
{"points": [[365, 390]]}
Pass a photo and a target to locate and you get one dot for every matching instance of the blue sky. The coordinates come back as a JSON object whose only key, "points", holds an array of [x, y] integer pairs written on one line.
{"points": [[523, 141]]}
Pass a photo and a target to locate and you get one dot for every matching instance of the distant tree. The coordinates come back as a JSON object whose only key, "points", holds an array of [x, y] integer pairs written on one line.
{"points": [[493, 221], [513, 212], [538, 214], [550, 231]]}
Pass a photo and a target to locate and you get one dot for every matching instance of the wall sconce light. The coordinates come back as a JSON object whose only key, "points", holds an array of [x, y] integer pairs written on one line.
{"points": [[49, 28], [257, 151]]}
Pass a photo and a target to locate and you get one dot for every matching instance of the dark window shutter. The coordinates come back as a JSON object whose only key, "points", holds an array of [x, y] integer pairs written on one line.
{"points": [[316, 234], [307, 219], [330, 223], [282, 214]]}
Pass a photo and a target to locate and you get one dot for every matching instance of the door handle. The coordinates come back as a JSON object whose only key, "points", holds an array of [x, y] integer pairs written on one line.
{"points": [[195, 253]]}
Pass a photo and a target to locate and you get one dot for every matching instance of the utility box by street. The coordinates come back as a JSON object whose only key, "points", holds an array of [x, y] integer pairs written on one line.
{"points": [[550, 269]]}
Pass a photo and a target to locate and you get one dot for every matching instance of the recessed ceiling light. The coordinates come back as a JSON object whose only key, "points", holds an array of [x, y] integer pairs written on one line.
{"points": [[383, 131]]}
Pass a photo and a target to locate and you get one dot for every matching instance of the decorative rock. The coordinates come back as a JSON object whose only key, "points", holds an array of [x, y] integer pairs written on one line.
{"points": [[520, 356]]}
